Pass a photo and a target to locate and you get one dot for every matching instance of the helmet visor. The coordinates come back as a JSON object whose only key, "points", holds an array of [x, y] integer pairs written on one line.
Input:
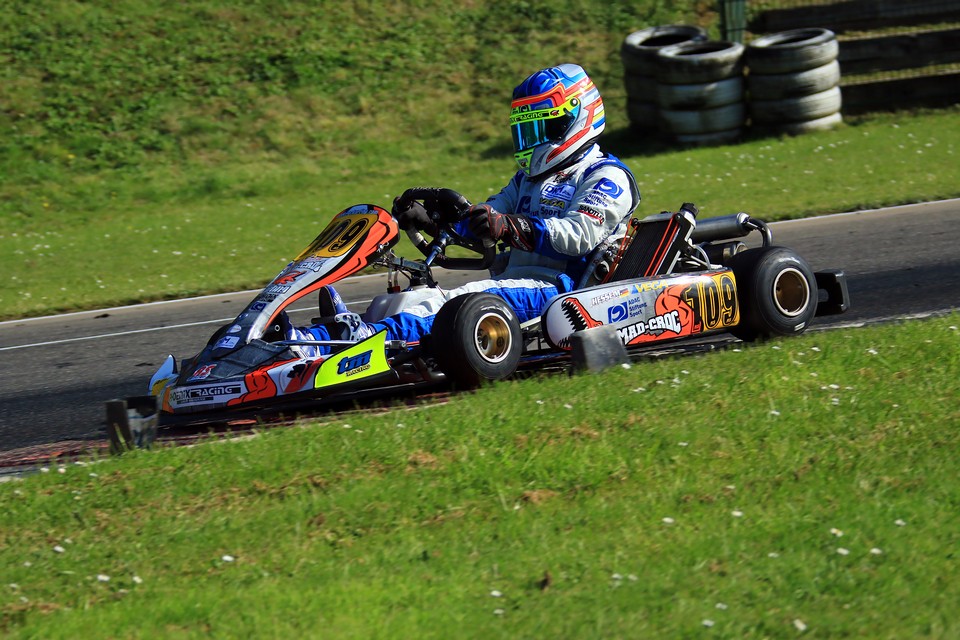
{"points": [[536, 126]]}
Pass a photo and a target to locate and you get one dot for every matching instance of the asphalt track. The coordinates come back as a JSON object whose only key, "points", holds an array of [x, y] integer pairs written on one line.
{"points": [[56, 372]]}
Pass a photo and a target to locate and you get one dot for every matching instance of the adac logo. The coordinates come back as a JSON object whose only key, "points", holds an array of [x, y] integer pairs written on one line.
{"points": [[288, 278], [618, 313], [608, 187], [353, 365]]}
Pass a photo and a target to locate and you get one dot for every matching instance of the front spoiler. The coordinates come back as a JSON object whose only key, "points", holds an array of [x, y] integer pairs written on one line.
{"points": [[254, 375], [136, 422]]}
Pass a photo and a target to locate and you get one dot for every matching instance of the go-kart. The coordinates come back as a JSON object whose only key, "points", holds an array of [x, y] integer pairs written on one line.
{"points": [[670, 277]]}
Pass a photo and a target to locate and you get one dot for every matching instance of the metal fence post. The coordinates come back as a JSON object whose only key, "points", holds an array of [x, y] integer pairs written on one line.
{"points": [[733, 19]]}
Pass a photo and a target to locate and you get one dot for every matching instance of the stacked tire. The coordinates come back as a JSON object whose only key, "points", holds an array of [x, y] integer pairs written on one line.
{"points": [[700, 92], [793, 81], [639, 55]]}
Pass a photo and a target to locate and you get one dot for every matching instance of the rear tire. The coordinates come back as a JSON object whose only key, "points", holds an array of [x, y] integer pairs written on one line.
{"points": [[476, 338], [777, 292]]}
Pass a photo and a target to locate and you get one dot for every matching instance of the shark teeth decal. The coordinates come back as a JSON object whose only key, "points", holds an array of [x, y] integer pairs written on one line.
{"points": [[577, 315]]}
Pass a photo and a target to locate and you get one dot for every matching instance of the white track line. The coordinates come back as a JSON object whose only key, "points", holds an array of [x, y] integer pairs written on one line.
{"points": [[147, 330], [110, 335], [238, 293], [162, 302], [383, 275]]}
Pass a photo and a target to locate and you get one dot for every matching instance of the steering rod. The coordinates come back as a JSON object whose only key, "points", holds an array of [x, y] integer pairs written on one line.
{"points": [[439, 245]]}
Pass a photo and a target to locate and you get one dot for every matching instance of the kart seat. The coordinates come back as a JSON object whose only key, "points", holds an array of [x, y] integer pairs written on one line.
{"points": [[656, 244]]}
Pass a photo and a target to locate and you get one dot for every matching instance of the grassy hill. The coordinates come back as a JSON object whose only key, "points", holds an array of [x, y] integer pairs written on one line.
{"points": [[118, 120], [131, 85], [150, 151]]}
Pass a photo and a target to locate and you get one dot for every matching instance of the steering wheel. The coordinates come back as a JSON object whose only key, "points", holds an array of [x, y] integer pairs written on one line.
{"points": [[446, 208]]}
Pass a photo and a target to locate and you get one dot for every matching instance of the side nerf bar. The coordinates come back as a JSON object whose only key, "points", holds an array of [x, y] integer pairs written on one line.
{"points": [[834, 298]]}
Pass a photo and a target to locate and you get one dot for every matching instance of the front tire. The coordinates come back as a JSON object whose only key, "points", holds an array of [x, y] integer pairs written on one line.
{"points": [[777, 292], [476, 338]]}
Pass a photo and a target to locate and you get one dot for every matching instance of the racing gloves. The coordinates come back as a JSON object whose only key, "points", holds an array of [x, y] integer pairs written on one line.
{"points": [[489, 225], [413, 216]]}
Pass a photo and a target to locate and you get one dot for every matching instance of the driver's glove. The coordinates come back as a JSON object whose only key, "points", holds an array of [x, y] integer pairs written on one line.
{"points": [[414, 217], [489, 225]]}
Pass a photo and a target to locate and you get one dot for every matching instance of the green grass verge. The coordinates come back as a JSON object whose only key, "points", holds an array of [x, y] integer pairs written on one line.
{"points": [[226, 228], [150, 152], [804, 484]]}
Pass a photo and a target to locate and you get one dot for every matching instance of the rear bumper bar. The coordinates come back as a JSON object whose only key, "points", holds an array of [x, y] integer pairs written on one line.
{"points": [[833, 296]]}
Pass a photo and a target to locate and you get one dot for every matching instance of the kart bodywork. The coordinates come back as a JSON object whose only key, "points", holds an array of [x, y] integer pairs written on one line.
{"points": [[670, 278]]}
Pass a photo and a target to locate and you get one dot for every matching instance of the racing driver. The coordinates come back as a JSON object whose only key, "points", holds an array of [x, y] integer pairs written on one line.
{"points": [[567, 198]]}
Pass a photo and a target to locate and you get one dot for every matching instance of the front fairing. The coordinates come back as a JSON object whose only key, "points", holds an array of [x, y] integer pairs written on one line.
{"points": [[260, 373], [237, 366], [353, 240]]}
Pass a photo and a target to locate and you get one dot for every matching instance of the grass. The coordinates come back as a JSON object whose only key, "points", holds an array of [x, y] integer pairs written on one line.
{"points": [[802, 484], [147, 152], [154, 152], [161, 239]]}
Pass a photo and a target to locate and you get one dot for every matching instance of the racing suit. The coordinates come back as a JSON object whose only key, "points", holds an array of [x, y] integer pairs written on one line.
{"points": [[572, 211]]}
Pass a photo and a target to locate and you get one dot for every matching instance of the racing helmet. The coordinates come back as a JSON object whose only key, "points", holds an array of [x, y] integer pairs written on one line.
{"points": [[556, 113]]}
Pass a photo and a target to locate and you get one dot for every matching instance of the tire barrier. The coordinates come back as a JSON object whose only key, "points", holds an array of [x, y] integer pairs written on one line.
{"points": [[700, 96], [639, 55], [793, 81], [797, 109], [700, 91], [794, 50], [790, 85], [728, 117]]}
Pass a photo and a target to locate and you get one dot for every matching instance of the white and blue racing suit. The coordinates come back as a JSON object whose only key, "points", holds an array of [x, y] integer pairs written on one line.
{"points": [[572, 212]]}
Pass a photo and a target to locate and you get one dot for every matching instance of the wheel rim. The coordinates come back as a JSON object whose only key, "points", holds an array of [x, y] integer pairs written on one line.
{"points": [[493, 338], [791, 292]]}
